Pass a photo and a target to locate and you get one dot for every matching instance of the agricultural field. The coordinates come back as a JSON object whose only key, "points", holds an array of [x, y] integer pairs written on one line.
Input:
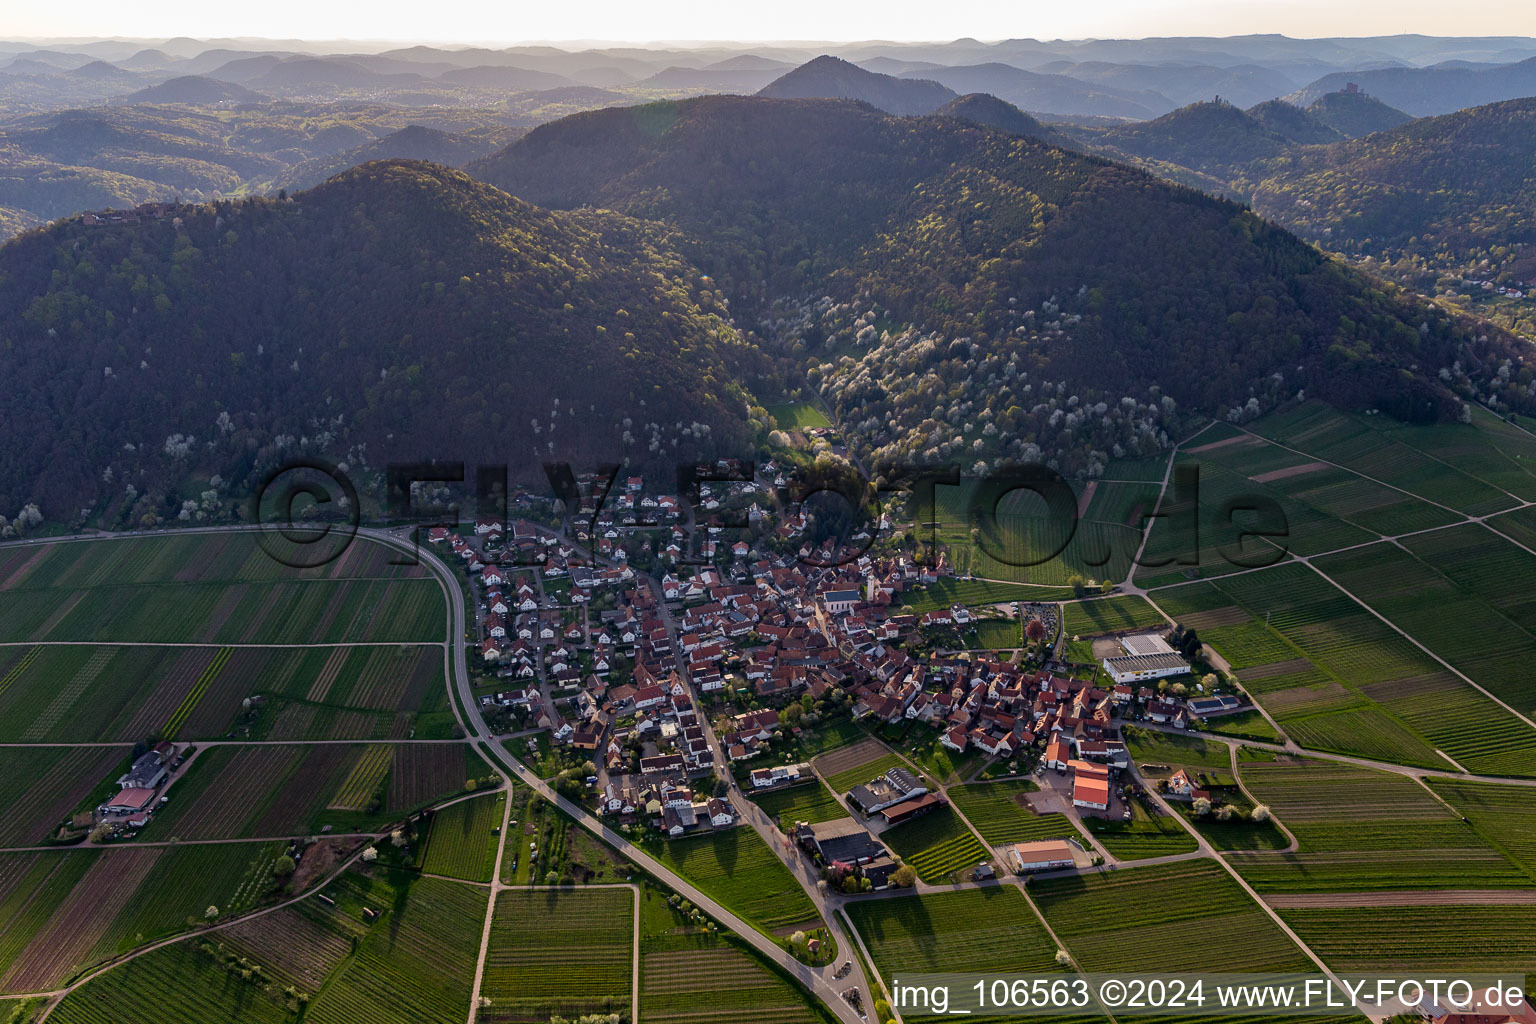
{"points": [[857, 763], [73, 693], [692, 975], [1407, 939], [58, 781], [937, 845], [1453, 618], [1189, 916], [1504, 815], [1145, 836], [1148, 746], [948, 592], [736, 868], [978, 930], [1109, 615], [798, 415], [999, 812], [1019, 542], [463, 839], [415, 963], [997, 634], [1250, 724], [290, 612], [275, 789], [1343, 680], [183, 981], [810, 803], [1364, 830], [560, 952], [61, 912]]}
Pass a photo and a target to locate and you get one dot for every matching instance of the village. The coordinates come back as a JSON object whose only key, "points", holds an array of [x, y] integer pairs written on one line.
{"points": [[689, 664]]}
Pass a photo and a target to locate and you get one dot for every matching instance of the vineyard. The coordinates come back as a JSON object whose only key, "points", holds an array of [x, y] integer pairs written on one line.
{"points": [[1413, 938], [565, 952], [1109, 615], [1145, 836], [462, 842], [857, 763], [423, 772], [999, 813], [179, 982], [937, 845], [1505, 815], [736, 868], [1188, 916], [1363, 830], [991, 929], [364, 779], [415, 964], [716, 983], [809, 802], [58, 780]]}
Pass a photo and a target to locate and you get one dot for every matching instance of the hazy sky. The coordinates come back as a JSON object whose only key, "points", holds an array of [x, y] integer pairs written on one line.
{"points": [[497, 21]]}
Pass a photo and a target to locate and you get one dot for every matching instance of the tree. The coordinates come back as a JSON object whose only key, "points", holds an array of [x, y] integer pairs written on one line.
{"points": [[1260, 813], [1107, 587], [1209, 681], [904, 877], [1063, 957], [1202, 806], [284, 866], [792, 714], [470, 785], [211, 913], [552, 879], [370, 855], [1034, 630]]}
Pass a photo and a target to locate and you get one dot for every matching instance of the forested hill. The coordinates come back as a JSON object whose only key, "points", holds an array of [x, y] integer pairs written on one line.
{"points": [[1458, 185], [1000, 251], [400, 311]]}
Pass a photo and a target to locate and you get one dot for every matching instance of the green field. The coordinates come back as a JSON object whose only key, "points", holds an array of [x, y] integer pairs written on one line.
{"points": [[1148, 746], [58, 780], [846, 779], [1188, 916], [689, 975], [271, 790], [810, 803], [798, 415], [184, 981], [1362, 830], [996, 810], [736, 868], [211, 588], [948, 592], [63, 911], [1249, 724], [559, 951], [415, 963], [988, 929], [1477, 618], [1404, 939], [1338, 678], [1504, 815], [462, 843], [1145, 836], [1109, 615], [937, 845]]}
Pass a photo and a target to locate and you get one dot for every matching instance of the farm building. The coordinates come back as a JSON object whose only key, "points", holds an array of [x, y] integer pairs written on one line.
{"points": [[887, 790], [1044, 855], [1090, 786], [147, 772], [128, 801], [1130, 668], [841, 839]]}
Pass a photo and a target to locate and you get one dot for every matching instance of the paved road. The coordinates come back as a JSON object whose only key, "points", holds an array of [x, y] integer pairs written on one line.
{"points": [[468, 713]]}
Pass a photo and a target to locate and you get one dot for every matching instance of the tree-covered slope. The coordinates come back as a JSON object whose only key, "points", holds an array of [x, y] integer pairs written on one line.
{"points": [[413, 142], [975, 251], [1356, 114], [1456, 184], [400, 311]]}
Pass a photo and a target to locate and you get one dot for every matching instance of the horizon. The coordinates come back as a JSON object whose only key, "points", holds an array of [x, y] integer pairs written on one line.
{"points": [[797, 23]]}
